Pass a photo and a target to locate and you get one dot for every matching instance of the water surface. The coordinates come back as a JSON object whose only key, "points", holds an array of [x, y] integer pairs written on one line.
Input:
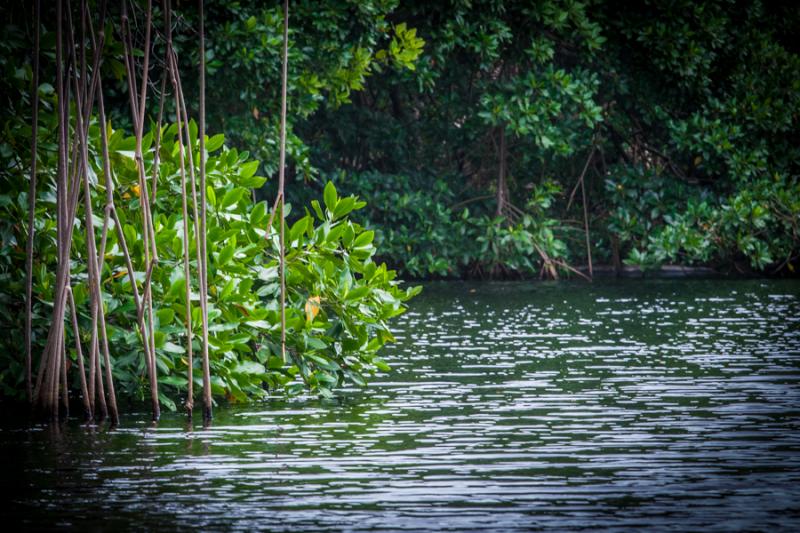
{"points": [[668, 404]]}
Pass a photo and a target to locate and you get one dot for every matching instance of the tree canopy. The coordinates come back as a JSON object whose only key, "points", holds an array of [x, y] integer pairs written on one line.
{"points": [[454, 114]]}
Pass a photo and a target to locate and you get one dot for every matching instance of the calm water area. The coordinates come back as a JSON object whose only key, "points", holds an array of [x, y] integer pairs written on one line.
{"points": [[658, 404]]}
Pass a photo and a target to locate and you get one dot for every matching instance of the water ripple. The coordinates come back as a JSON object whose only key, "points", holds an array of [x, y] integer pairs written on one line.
{"points": [[670, 405]]}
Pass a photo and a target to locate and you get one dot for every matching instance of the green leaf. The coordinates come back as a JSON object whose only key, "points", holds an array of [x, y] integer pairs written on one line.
{"points": [[211, 195], [171, 347], [215, 142], [317, 209], [259, 324], [253, 182], [335, 233], [174, 380], [45, 89], [130, 235], [232, 197], [357, 293], [167, 402], [298, 228], [413, 291], [381, 365], [226, 254], [165, 316], [248, 169], [322, 361], [258, 214], [315, 343], [330, 197], [192, 132], [343, 207], [229, 286], [356, 378], [249, 367], [364, 239], [177, 289]]}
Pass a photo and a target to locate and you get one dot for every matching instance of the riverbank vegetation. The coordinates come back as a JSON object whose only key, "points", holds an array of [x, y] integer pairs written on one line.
{"points": [[208, 203], [511, 139], [142, 266]]}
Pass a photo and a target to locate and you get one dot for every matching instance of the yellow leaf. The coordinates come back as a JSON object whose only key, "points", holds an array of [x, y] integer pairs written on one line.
{"points": [[312, 308], [135, 190]]}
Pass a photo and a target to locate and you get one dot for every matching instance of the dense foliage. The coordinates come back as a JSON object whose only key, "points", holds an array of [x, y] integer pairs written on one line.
{"points": [[687, 113], [334, 48], [339, 300]]}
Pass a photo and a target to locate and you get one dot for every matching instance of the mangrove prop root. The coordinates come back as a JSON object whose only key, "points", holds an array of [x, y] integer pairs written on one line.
{"points": [[282, 174]]}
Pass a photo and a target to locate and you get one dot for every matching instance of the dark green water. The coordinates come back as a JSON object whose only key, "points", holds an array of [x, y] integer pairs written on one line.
{"points": [[659, 404]]}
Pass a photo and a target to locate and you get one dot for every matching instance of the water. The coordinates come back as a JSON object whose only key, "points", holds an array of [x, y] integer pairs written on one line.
{"points": [[667, 404]]}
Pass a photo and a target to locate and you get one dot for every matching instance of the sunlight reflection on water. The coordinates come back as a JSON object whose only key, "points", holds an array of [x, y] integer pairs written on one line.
{"points": [[666, 404]]}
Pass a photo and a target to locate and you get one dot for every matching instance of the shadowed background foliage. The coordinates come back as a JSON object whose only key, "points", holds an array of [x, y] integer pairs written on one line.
{"points": [[684, 116]]}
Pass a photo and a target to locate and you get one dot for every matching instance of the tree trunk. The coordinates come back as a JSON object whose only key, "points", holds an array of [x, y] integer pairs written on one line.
{"points": [[502, 186]]}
